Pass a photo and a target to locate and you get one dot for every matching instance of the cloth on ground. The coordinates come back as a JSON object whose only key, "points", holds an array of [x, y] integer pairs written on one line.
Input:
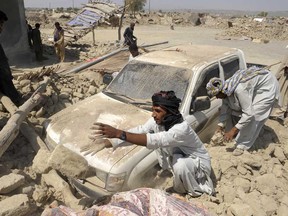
{"points": [[142, 201]]}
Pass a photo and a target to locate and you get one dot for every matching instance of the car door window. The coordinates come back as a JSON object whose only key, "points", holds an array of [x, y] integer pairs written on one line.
{"points": [[230, 67], [200, 119], [208, 73]]}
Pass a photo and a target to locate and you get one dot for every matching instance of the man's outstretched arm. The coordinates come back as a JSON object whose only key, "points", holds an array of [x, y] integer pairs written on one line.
{"points": [[111, 132]]}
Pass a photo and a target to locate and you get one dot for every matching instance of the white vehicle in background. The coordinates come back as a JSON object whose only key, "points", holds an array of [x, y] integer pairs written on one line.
{"points": [[126, 103]]}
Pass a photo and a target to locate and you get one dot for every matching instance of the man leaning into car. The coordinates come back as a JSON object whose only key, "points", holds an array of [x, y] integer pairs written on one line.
{"points": [[179, 148]]}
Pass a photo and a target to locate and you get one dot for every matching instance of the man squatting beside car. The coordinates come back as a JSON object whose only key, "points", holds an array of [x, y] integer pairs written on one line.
{"points": [[248, 99], [178, 147], [281, 110]]}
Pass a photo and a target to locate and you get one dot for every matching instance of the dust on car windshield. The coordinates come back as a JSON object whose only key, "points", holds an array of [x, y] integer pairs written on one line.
{"points": [[141, 80]]}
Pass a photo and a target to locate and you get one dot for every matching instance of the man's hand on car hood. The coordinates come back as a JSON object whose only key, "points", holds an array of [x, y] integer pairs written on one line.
{"points": [[100, 129]]}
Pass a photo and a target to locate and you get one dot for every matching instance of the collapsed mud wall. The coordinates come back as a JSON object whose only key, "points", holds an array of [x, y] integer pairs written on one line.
{"points": [[14, 36]]}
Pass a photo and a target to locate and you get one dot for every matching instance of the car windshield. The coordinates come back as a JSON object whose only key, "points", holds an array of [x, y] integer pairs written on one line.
{"points": [[140, 80]]}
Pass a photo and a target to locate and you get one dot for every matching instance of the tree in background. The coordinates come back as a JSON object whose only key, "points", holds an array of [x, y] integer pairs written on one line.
{"points": [[263, 14], [135, 5], [132, 5], [121, 20], [60, 10]]}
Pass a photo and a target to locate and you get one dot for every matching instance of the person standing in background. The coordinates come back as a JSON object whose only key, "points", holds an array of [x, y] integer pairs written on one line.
{"points": [[59, 42], [37, 42]]}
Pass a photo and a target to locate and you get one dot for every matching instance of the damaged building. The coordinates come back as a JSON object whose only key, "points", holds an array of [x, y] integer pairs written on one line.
{"points": [[90, 16], [14, 36]]}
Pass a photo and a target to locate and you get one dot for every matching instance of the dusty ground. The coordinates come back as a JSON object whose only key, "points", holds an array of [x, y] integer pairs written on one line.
{"points": [[258, 53], [261, 53], [255, 183]]}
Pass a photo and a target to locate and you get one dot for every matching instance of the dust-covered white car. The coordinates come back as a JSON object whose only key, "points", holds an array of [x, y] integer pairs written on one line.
{"points": [[126, 103]]}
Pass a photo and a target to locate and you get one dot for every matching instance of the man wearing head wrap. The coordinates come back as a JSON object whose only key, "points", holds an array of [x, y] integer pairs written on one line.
{"points": [[179, 148], [129, 37], [248, 98]]}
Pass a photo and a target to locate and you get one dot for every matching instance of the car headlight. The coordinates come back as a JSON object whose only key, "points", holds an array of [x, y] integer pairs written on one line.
{"points": [[115, 182]]}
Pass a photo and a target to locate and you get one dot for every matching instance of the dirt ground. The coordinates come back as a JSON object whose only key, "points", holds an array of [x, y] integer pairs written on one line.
{"points": [[255, 183], [261, 53], [257, 53]]}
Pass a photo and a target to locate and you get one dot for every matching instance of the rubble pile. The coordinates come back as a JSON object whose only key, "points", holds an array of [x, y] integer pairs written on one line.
{"points": [[22, 190], [240, 27], [80, 50], [86, 52], [254, 183], [41, 17], [249, 27], [275, 28], [164, 18], [63, 90]]}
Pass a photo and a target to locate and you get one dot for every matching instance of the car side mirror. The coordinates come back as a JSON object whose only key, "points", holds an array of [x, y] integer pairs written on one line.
{"points": [[200, 103], [107, 78]]}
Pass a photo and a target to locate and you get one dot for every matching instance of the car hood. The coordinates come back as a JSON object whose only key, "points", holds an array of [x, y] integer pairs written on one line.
{"points": [[71, 127]]}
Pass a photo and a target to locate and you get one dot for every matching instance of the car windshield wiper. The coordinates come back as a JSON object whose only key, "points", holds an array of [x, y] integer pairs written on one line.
{"points": [[119, 95], [141, 102], [136, 102]]}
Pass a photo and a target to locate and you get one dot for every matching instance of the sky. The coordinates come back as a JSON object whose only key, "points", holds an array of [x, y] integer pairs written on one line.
{"points": [[245, 5]]}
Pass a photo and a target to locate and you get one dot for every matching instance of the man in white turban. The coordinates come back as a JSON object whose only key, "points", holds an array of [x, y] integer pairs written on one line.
{"points": [[248, 98]]}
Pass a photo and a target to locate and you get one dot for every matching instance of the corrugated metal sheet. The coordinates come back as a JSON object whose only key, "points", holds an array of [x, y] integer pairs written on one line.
{"points": [[85, 19], [105, 7], [91, 14]]}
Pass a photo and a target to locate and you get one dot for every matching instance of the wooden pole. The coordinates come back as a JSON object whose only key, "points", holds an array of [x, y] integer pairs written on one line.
{"points": [[89, 64], [10, 131], [93, 33], [26, 128]]}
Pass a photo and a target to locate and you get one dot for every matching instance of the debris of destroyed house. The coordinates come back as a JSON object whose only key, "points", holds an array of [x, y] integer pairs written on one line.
{"points": [[217, 138], [255, 175], [94, 14], [230, 24]]}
